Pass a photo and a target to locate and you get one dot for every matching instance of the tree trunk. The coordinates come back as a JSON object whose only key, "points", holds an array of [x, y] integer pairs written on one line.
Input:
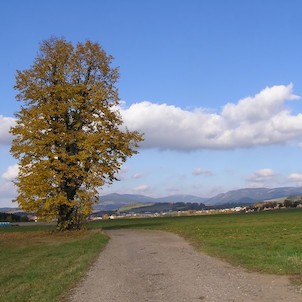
{"points": [[68, 216], [67, 219]]}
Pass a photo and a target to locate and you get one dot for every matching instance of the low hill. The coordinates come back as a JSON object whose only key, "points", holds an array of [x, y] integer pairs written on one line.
{"points": [[164, 207], [130, 207], [116, 201]]}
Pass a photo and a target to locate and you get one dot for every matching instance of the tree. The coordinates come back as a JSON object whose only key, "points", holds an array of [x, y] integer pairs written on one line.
{"points": [[287, 203], [69, 136]]}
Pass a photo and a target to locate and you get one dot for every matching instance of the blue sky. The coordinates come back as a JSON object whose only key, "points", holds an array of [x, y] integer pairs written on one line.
{"points": [[214, 85]]}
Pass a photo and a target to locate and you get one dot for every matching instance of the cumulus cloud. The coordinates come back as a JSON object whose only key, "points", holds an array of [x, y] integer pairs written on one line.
{"points": [[262, 106], [201, 171], [259, 120], [261, 176], [5, 124], [263, 119], [11, 172]]}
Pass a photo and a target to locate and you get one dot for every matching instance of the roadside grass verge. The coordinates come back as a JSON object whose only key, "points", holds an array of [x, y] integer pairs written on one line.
{"points": [[269, 242], [42, 265]]}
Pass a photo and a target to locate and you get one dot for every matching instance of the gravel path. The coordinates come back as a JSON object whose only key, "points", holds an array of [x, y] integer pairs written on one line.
{"points": [[157, 266]]}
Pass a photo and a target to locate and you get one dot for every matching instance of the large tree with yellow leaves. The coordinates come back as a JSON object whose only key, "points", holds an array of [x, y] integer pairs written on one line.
{"points": [[69, 136]]}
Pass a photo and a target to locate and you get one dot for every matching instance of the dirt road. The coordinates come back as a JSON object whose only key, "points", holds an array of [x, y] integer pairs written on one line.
{"points": [[156, 266]]}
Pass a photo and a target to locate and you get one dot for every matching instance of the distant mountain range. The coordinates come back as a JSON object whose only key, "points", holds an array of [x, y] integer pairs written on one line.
{"points": [[235, 197], [115, 201], [252, 195]]}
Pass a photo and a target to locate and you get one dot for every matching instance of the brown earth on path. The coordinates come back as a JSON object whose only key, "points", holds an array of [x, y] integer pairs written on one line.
{"points": [[157, 266]]}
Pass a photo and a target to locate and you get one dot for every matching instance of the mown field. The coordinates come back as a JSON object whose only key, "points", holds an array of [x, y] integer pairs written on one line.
{"points": [[268, 242], [38, 264]]}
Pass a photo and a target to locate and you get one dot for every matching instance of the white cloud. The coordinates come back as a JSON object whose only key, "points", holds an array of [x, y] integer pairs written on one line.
{"points": [[201, 171], [141, 189], [261, 176], [137, 175], [5, 124], [8, 192], [262, 106], [11, 173], [260, 120], [122, 173], [295, 177], [174, 190]]}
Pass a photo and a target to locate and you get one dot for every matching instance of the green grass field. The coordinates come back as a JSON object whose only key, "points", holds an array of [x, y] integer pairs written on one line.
{"points": [[40, 265], [267, 241]]}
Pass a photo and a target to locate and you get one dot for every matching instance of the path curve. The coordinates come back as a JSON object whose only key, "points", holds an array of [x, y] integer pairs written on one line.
{"points": [[156, 266]]}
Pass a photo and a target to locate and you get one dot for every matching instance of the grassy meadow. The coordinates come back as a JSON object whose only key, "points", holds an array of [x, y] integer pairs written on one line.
{"points": [[268, 242], [38, 264]]}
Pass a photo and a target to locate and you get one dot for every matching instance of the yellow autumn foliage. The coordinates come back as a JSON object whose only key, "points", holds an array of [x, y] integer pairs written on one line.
{"points": [[69, 137]]}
